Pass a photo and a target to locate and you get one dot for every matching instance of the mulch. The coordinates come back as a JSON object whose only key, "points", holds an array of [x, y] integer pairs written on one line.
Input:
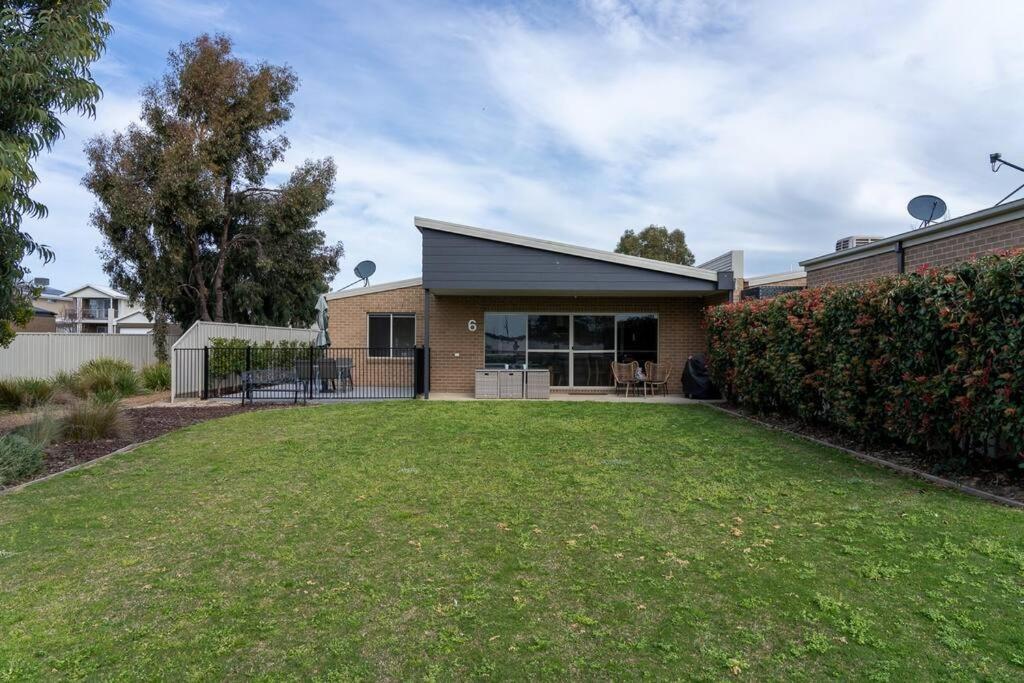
{"points": [[1005, 482], [140, 424]]}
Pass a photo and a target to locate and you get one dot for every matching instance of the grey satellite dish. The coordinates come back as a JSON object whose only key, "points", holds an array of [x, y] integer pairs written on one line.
{"points": [[364, 269], [926, 208]]}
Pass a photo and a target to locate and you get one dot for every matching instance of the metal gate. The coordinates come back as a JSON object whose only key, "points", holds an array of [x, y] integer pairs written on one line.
{"points": [[294, 374]]}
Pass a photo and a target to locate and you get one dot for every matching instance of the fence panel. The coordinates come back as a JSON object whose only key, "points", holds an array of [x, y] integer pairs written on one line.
{"points": [[44, 354], [298, 374], [187, 375]]}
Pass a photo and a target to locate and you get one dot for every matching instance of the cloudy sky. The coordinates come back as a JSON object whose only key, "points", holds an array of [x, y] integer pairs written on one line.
{"points": [[772, 127]]}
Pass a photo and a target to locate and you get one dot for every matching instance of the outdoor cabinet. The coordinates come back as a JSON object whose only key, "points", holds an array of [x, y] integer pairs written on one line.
{"points": [[486, 384], [538, 383], [510, 384]]}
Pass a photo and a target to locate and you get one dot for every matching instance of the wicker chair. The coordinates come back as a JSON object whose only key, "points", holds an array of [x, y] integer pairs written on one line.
{"points": [[657, 376], [625, 374]]}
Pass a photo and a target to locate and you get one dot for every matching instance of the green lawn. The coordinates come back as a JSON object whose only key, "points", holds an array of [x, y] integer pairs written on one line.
{"points": [[414, 540]]}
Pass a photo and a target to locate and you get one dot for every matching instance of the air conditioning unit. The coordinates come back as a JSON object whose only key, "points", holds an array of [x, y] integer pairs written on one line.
{"points": [[855, 241]]}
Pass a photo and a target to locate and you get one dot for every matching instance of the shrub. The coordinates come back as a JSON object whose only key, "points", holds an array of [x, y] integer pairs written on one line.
{"points": [[228, 355], [109, 376], [42, 431], [93, 419], [156, 377], [19, 458], [16, 394], [930, 360]]}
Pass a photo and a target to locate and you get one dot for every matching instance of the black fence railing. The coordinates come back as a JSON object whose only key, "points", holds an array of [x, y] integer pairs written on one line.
{"points": [[298, 374]]}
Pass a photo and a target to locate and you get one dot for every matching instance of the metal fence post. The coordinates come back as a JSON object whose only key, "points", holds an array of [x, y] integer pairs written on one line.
{"points": [[312, 373], [206, 372]]}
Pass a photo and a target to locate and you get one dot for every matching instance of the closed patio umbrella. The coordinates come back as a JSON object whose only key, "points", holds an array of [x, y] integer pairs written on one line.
{"points": [[323, 339]]}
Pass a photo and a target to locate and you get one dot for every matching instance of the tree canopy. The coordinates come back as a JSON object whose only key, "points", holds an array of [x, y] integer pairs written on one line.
{"points": [[656, 242], [45, 51], [190, 228]]}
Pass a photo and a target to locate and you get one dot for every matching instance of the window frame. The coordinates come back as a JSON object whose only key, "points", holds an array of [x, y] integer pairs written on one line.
{"points": [[391, 334], [571, 351]]}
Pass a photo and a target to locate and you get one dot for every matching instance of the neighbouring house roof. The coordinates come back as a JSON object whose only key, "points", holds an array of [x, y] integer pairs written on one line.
{"points": [[568, 249], [43, 312], [105, 291], [776, 277], [137, 317], [954, 226], [383, 287]]}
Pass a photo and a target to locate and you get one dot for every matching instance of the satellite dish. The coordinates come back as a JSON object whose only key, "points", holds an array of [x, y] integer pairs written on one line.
{"points": [[364, 269], [926, 208]]}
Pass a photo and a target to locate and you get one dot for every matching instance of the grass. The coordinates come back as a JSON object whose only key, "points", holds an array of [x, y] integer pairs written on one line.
{"points": [[415, 540]]}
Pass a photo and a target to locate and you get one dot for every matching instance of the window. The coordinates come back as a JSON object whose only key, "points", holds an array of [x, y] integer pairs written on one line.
{"points": [[504, 340], [391, 335], [577, 349]]}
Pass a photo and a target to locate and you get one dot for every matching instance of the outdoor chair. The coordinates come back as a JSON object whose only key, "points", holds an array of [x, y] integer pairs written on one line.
{"points": [[304, 373], [657, 376], [625, 374], [345, 368], [327, 368]]}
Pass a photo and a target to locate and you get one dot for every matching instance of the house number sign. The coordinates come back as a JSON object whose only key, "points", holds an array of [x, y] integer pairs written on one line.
{"points": [[471, 326]]}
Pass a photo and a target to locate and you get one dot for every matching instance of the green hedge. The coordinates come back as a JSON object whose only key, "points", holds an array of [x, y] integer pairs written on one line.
{"points": [[933, 361], [227, 355]]}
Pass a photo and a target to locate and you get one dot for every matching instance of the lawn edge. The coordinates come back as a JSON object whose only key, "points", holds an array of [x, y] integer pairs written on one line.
{"points": [[880, 462], [80, 466]]}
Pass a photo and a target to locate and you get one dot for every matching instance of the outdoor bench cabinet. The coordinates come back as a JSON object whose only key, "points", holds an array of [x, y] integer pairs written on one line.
{"points": [[512, 384]]}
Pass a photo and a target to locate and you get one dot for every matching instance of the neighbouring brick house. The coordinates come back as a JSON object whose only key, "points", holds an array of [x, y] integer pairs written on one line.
{"points": [[958, 239], [487, 299]]}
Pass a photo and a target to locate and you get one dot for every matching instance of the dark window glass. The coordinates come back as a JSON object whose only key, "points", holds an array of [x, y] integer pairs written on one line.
{"points": [[592, 369], [549, 332], [637, 337], [593, 332], [504, 340], [403, 334], [380, 335], [554, 362]]}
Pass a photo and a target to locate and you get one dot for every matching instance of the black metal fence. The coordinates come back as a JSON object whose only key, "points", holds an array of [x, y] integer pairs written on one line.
{"points": [[298, 374]]}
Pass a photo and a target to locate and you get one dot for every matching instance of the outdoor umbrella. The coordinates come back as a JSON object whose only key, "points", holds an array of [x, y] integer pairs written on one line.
{"points": [[322, 338]]}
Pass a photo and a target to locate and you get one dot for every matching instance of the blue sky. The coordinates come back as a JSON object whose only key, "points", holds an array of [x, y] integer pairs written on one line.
{"points": [[772, 127]]}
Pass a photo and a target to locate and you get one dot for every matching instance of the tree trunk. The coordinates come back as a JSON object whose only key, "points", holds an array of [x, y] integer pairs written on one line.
{"points": [[222, 258], [160, 334], [202, 292]]}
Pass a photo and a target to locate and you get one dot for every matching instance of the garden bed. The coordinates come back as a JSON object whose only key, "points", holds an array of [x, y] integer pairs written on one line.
{"points": [[140, 424], [997, 481]]}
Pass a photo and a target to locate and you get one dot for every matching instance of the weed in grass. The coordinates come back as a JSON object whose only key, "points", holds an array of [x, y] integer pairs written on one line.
{"points": [[19, 458], [93, 419]]}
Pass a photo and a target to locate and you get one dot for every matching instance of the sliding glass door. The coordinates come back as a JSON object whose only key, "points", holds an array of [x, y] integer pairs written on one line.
{"points": [[577, 349]]}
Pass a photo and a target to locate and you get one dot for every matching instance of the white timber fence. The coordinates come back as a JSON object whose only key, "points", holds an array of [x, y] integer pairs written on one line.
{"points": [[187, 373], [42, 355]]}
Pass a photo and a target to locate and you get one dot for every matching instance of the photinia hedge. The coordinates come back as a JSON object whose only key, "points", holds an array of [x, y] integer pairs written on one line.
{"points": [[933, 361]]}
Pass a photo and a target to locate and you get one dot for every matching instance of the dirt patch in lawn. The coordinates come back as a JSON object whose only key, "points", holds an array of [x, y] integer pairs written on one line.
{"points": [[1004, 481], [140, 424]]}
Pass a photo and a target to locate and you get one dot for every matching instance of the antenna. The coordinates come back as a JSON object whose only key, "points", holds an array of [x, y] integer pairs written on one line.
{"points": [[926, 208], [363, 271], [997, 161]]}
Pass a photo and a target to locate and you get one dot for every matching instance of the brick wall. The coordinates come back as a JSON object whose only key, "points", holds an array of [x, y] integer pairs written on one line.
{"points": [[965, 246], [939, 252], [456, 351], [679, 330]]}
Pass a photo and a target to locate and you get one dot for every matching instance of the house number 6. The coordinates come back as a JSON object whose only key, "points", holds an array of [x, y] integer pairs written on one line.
{"points": [[471, 326]]}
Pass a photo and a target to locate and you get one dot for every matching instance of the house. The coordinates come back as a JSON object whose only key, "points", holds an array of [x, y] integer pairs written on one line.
{"points": [[92, 308], [774, 284], [939, 244], [489, 299], [45, 306]]}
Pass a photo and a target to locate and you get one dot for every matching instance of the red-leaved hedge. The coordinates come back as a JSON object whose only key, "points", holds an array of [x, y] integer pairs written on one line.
{"points": [[933, 361]]}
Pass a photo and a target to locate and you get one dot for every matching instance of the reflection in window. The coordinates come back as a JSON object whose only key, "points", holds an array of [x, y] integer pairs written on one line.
{"points": [[504, 340], [637, 335], [593, 332], [391, 334], [549, 332]]}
